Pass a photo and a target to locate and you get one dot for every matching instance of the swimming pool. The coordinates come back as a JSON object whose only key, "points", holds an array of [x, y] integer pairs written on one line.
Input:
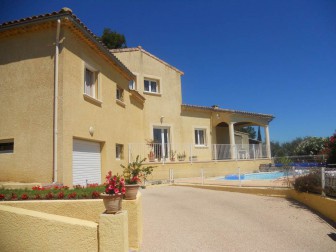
{"points": [[254, 176]]}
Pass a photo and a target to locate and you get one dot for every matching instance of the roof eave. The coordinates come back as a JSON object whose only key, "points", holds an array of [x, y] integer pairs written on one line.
{"points": [[68, 14]]}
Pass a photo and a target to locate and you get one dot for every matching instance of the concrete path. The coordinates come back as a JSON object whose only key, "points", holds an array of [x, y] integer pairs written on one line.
{"points": [[190, 219]]}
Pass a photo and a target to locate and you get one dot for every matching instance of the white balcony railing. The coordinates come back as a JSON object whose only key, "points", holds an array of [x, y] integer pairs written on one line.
{"points": [[163, 153]]}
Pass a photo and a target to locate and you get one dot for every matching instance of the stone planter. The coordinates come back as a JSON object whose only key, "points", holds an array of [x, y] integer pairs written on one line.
{"points": [[131, 191], [112, 202]]}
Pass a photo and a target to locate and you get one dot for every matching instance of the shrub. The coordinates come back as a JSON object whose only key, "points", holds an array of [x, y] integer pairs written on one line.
{"points": [[331, 150], [72, 195], [95, 195], [52, 193], [49, 195], [309, 183], [60, 195]]}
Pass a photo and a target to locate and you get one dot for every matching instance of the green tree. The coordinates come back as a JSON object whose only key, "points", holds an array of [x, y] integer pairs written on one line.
{"points": [[112, 39], [286, 148], [250, 130]]}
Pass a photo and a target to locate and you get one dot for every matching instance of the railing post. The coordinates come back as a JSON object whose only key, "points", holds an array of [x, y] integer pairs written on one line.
{"points": [[236, 151], [190, 153], [215, 151], [323, 181], [254, 152]]}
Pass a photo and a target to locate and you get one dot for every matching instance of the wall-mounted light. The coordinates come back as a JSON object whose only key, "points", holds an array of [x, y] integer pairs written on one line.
{"points": [[91, 130], [161, 119], [217, 115]]}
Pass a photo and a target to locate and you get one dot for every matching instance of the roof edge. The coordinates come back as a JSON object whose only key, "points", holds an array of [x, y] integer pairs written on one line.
{"points": [[67, 13], [139, 48], [217, 109]]}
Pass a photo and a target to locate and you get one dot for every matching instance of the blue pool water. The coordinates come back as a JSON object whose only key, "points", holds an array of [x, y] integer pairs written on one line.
{"points": [[255, 176]]}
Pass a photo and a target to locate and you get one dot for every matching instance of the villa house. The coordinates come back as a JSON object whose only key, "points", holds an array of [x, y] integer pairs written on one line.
{"points": [[71, 110]]}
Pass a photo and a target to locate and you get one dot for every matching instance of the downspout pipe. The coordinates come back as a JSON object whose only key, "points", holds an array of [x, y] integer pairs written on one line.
{"points": [[55, 156]]}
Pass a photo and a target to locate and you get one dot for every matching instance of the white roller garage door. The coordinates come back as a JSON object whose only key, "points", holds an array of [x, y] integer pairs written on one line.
{"points": [[86, 162]]}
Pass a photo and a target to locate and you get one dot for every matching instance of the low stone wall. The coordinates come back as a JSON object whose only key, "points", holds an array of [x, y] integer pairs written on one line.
{"points": [[211, 169], [82, 211], [27, 230], [325, 206]]}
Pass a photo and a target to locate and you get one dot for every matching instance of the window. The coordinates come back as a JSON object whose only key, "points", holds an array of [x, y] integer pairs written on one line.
{"points": [[200, 138], [91, 83], [120, 94], [151, 86], [7, 146], [131, 85], [119, 151]]}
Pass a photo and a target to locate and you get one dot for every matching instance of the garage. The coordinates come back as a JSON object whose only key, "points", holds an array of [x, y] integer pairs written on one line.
{"points": [[86, 162]]}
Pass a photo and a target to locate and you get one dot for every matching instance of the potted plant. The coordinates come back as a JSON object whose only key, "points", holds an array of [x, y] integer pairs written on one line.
{"points": [[132, 174], [181, 156], [151, 155], [114, 191], [172, 155]]}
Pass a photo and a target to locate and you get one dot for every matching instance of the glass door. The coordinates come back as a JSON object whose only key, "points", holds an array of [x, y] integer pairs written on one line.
{"points": [[161, 142]]}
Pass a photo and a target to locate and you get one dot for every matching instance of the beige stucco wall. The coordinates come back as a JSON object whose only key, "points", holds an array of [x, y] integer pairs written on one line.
{"points": [[26, 105], [27, 108], [211, 169], [89, 210], [166, 104], [112, 122], [27, 230]]}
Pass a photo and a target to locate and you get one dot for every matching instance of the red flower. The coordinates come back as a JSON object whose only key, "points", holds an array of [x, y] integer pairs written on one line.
{"points": [[114, 184], [2, 196], [60, 195], [24, 196], [95, 195], [37, 196], [72, 195], [13, 196], [49, 195]]}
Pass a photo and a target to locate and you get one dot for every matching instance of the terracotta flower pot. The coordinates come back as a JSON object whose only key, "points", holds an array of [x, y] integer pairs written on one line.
{"points": [[131, 191], [112, 202]]}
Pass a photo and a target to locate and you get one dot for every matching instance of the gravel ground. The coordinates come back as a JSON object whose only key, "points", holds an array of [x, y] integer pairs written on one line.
{"points": [[191, 219]]}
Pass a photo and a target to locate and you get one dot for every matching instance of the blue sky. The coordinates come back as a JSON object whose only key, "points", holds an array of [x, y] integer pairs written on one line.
{"points": [[272, 57]]}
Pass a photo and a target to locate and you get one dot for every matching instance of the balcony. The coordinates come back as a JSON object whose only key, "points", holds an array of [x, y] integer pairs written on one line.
{"points": [[170, 153]]}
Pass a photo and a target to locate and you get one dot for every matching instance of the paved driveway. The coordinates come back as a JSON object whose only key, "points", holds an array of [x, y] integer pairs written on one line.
{"points": [[190, 219]]}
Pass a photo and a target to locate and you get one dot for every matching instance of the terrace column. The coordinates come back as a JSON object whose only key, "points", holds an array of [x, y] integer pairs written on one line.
{"points": [[268, 143], [232, 140]]}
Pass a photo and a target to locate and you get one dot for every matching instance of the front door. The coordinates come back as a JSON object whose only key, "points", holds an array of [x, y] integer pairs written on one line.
{"points": [[161, 142]]}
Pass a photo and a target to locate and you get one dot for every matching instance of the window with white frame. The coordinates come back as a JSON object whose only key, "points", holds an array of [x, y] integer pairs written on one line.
{"points": [[151, 86], [119, 151], [91, 82], [200, 137], [120, 94]]}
